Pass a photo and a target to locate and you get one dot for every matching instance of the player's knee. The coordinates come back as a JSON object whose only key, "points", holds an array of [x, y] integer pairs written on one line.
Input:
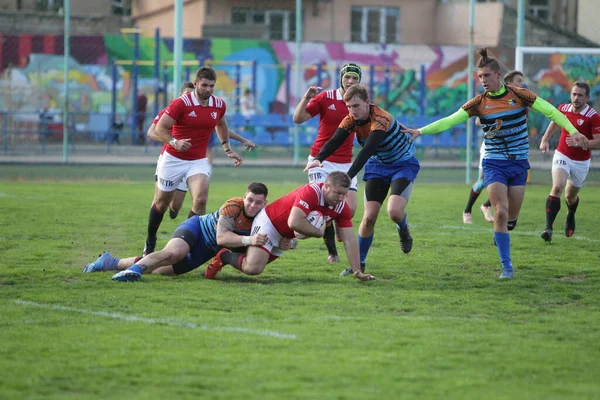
{"points": [[396, 215], [369, 220], [512, 224], [253, 269]]}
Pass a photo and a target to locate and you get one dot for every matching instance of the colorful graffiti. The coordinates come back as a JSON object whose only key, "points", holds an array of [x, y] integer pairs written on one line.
{"points": [[407, 80]]}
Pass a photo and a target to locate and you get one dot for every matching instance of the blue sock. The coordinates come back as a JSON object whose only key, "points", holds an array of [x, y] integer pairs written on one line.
{"points": [[404, 223], [364, 244], [111, 264], [503, 245], [136, 268]]}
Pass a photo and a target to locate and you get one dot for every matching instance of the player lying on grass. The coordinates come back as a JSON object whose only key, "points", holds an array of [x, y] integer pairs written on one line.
{"points": [[286, 217], [195, 240]]}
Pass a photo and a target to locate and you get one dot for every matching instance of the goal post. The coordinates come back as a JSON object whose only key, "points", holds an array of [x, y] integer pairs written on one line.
{"points": [[520, 51]]}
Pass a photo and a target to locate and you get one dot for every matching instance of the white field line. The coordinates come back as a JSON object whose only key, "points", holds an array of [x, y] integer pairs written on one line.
{"points": [[518, 232], [152, 321]]}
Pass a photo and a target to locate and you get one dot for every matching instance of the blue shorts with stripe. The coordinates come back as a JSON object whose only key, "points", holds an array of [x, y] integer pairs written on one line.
{"points": [[508, 172], [200, 253], [408, 169]]}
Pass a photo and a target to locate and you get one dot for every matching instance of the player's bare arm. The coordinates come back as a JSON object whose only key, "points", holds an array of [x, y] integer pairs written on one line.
{"points": [[248, 144], [223, 135], [151, 133], [297, 221], [227, 238], [339, 136], [300, 113], [162, 131], [544, 146], [352, 253]]}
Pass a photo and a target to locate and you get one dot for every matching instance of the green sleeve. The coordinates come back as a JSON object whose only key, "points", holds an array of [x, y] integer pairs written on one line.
{"points": [[445, 123], [543, 107]]}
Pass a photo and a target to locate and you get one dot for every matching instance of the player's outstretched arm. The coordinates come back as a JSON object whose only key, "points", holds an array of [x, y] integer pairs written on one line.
{"points": [[438, 126], [248, 144], [543, 107], [351, 247]]}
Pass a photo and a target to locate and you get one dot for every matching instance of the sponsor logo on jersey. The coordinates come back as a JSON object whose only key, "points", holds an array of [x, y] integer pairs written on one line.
{"points": [[303, 204], [512, 102], [192, 114], [332, 107]]}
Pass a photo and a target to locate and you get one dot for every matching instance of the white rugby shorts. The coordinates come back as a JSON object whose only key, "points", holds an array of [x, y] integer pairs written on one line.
{"points": [[171, 171], [182, 185], [577, 170], [262, 225], [319, 174]]}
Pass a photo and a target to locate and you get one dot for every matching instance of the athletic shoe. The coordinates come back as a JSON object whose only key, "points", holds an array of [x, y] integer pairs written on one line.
{"points": [[570, 225], [215, 265], [348, 271], [406, 240], [173, 214], [97, 265], [131, 274], [333, 258], [507, 273], [149, 248], [547, 235], [467, 218], [487, 213], [338, 235]]}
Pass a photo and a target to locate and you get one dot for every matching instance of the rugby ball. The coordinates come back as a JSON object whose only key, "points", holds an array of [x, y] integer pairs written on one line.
{"points": [[316, 219]]}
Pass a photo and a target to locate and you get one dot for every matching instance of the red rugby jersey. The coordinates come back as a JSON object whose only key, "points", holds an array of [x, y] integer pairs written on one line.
{"points": [[308, 198], [332, 110], [194, 121], [587, 122]]}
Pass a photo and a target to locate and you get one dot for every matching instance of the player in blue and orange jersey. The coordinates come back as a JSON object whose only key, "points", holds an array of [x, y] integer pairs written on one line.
{"points": [[330, 107], [512, 78], [503, 113], [570, 165], [196, 240], [387, 155]]}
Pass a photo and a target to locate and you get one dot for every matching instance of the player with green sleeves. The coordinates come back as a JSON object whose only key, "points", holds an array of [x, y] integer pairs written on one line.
{"points": [[502, 110]]}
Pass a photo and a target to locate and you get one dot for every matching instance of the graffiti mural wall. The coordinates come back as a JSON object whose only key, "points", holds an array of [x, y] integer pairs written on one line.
{"points": [[408, 80]]}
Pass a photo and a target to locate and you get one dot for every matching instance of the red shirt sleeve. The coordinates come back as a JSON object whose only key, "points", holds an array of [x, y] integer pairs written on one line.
{"points": [[595, 128], [345, 218], [175, 109], [157, 118], [306, 199], [314, 106], [224, 109]]}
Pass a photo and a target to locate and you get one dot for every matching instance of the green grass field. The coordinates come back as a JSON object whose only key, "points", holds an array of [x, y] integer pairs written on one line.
{"points": [[437, 324]]}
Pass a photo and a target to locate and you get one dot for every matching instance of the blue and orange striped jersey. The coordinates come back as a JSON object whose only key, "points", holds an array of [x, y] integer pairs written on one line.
{"points": [[504, 120], [394, 148]]}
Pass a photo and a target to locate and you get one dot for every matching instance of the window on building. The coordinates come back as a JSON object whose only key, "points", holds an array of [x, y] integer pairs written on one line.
{"points": [[121, 7], [375, 24], [539, 8], [49, 5], [281, 23]]}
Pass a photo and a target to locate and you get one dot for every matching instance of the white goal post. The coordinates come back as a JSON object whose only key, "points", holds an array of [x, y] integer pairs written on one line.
{"points": [[521, 50]]}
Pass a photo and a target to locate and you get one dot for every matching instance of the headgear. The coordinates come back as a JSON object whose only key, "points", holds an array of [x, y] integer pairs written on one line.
{"points": [[350, 68]]}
